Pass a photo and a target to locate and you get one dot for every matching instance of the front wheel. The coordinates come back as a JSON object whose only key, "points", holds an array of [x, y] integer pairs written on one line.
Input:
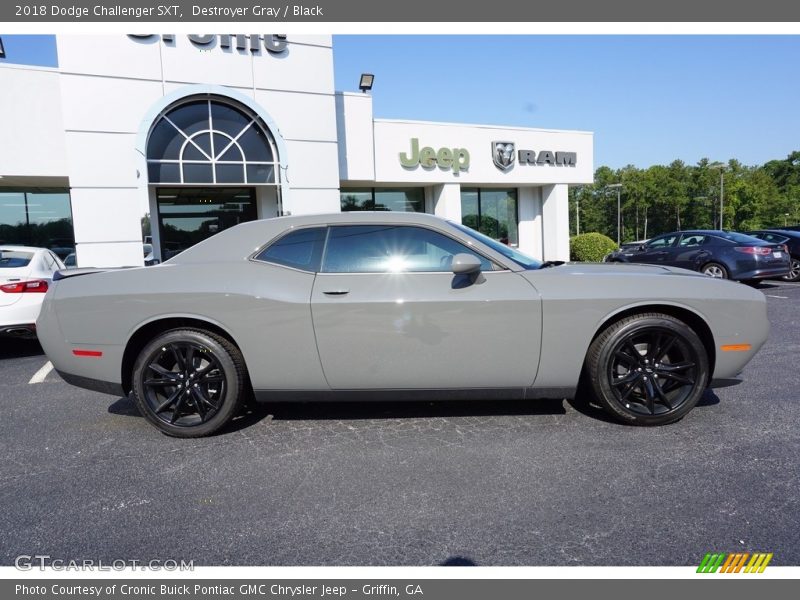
{"points": [[648, 369], [794, 271], [715, 270], [189, 382]]}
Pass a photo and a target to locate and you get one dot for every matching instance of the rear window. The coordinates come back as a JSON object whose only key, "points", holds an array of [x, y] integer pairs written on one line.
{"points": [[738, 238], [10, 259], [300, 249]]}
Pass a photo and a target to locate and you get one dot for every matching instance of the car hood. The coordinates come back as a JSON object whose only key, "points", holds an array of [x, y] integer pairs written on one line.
{"points": [[623, 269]]}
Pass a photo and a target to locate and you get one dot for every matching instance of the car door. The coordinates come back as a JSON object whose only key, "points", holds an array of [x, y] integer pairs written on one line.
{"points": [[692, 251], [656, 251], [389, 313]]}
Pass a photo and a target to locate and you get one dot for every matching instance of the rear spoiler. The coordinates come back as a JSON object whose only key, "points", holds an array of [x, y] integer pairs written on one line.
{"points": [[67, 273]]}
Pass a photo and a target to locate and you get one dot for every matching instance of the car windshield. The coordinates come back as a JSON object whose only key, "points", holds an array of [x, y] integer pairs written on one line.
{"points": [[10, 259], [518, 257]]}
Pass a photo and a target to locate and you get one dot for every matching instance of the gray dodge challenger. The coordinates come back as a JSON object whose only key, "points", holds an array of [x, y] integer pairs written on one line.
{"points": [[392, 305]]}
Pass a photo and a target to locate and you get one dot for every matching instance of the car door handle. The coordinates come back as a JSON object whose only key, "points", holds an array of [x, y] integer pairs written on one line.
{"points": [[336, 292]]}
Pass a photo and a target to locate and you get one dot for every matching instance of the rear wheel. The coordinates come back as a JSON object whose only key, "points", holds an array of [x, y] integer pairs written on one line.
{"points": [[189, 382], [648, 369], [715, 270], [794, 271]]}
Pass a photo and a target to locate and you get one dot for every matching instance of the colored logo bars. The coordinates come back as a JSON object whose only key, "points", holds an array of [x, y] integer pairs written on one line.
{"points": [[734, 562]]}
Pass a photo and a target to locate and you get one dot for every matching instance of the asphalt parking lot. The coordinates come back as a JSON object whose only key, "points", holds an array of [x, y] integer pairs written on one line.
{"points": [[83, 476]]}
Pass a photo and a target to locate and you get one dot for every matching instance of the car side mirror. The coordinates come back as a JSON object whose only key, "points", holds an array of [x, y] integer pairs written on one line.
{"points": [[464, 263], [641, 248]]}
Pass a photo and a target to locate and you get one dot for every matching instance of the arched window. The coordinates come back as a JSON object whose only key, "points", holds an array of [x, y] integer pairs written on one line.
{"points": [[210, 141]]}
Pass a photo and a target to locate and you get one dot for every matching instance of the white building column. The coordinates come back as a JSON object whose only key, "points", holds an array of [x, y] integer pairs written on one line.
{"points": [[447, 201], [530, 221], [555, 222]]}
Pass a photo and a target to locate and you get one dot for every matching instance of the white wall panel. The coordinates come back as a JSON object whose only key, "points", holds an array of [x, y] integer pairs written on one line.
{"points": [[110, 55], [308, 202], [302, 68], [530, 221], [555, 222], [312, 165], [185, 62], [301, 116], [31, 130], [106, 104], [356, 141], [111, 254], [102, 159], [106, 215]]}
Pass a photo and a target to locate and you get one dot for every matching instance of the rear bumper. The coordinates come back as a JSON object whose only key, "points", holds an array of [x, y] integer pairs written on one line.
{"points": [[96, 385], [763, 273]]}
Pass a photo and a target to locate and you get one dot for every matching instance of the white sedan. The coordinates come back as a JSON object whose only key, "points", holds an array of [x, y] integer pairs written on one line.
{"points": [[25, 275]]}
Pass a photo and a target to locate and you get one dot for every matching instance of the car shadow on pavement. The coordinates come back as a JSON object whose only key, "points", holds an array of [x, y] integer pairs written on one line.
{"points": [[254, 412], [586, 406], [342, 411], [11, 347]]}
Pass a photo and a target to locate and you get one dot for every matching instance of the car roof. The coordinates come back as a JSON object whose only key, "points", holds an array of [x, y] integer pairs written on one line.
{"points": [[246, 238]]}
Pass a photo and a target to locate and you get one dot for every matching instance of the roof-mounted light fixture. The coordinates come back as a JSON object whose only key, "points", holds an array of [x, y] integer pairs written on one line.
{"points": [[366, 81]]}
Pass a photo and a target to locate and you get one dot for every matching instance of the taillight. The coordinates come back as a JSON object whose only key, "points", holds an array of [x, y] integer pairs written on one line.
{"points": [[757, 250], [786, 248], [37, 286]]}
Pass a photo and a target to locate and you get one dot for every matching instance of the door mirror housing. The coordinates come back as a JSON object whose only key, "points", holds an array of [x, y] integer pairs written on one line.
{"points": [[464, 263], [642, 247]]}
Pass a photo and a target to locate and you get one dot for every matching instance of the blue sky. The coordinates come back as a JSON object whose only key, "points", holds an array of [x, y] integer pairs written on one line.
{"points": [[649, 99]]}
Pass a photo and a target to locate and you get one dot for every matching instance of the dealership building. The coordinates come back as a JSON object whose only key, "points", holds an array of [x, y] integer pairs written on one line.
{"points": [[202, 132]]}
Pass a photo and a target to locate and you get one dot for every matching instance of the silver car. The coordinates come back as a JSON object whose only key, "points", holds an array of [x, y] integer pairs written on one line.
{"points": [[392, 305]]}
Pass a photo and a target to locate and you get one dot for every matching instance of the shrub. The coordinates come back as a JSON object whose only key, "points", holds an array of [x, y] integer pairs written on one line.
{"points": [[590, 247]]}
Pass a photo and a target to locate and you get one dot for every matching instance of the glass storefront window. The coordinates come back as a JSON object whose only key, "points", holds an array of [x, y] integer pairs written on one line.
{"points": [[210, 142], [187, 216], [41, 218], [491, 212], [390, 199]]}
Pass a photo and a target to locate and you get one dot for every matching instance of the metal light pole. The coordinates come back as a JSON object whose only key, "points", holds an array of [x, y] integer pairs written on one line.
{"points": [[721, 167], [618, 187]]}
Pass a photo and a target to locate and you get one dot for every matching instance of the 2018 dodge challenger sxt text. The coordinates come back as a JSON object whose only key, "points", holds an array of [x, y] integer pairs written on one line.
{"points": [[392, 305]]}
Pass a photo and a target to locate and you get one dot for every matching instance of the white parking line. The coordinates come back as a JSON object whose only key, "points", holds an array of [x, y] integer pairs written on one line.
{"points": [[773, 296], [39, 376]]}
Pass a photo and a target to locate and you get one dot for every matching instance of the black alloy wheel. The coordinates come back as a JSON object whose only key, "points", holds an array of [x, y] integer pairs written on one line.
{"points": [[189, 382], [648, 369]]}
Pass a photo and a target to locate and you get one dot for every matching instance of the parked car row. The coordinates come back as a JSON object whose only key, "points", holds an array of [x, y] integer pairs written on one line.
{"points": [[762, 254], [25, 275]]}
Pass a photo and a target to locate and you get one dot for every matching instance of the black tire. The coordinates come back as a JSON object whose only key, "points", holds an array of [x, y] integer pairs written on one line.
{"points": [[656, 387], [214, 369], [716, 270], [794, 271]]}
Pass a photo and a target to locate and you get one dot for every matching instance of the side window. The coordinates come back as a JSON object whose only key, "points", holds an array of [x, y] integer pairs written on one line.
{"points": [[661, 242], [391, 248], [300, 249], [688, 241]]}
